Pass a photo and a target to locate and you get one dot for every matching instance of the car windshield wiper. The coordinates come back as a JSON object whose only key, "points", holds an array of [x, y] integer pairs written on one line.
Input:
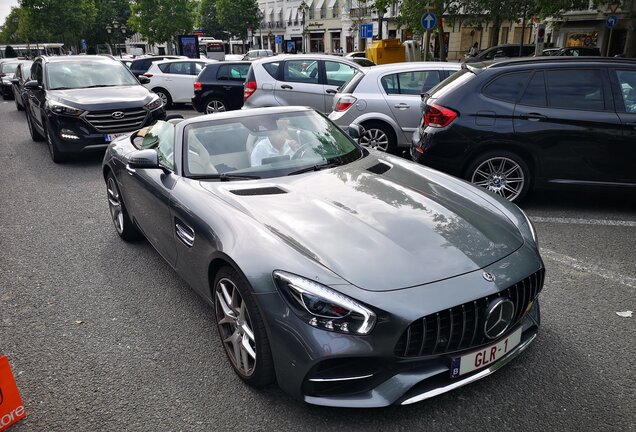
{"points": [[225, 177], [102, 85], [315, 168]]}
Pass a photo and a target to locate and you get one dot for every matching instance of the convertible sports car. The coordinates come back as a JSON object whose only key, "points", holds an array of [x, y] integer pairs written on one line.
{"points": [[351, 277]]}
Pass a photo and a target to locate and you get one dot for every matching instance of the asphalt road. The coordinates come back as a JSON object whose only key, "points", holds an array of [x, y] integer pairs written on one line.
{"points": [[103, 335]]}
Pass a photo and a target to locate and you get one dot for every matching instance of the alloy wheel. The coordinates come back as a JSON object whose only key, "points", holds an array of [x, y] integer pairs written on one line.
{"points": [[375, 139], [235, 327], [500, 175], [214, 106], [114, 204], [163, 97]]}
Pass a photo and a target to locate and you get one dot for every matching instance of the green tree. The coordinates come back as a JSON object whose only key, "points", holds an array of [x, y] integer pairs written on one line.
{"points": [[161, 21], [208, 19], [10, 30], [108, 11], [236, 16]]}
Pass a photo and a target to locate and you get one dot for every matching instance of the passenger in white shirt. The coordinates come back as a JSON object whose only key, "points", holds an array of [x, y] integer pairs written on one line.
{"points": [[277, 144]]}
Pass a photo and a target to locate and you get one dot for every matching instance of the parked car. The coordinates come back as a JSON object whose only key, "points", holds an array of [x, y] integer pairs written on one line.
{"points": [[501, 52], [385, 100], [579, 51], [7, 69], [141, 65], [82, 103], [20, 77], [257, 54], [173, 80], [307, 80], [219, 87], [544, 121], [351, 277]]}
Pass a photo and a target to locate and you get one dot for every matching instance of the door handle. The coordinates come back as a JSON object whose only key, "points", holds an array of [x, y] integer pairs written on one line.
{"points": [[402, 106], [286, 87], [227, 87], [332, 91], [130, 170], [632, 124], [535, 117]]}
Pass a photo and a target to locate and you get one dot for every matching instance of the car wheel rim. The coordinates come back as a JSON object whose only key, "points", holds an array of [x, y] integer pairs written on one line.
{"points": [[214, 106], [163, 97], [376, 139], [500, 175], [114, 205], [235, 327]]}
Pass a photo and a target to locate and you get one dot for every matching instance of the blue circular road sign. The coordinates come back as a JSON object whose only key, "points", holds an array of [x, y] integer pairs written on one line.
{"points": [[428, 21], [611, 21]]}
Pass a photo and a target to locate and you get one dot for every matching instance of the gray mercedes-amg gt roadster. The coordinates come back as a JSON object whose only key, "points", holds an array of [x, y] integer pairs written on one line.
{"points": [[350, 277]]}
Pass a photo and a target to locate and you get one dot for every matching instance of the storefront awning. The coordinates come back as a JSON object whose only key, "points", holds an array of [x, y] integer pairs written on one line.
{"points": [[319, 4], [332, 3], [289, 14], [279, 11], [309, 3], [295, 14]]}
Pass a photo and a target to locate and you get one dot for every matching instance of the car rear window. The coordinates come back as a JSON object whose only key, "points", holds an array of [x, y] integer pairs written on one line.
{"points": [[233, 72], [350, 86], [164, 67], [272, 69], [535, 94], [457, 79], [507, 87], [410, 83]]}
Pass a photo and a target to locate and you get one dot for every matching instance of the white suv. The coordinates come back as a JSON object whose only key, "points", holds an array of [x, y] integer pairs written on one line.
{"points": [[173, 80], [306, 80]]}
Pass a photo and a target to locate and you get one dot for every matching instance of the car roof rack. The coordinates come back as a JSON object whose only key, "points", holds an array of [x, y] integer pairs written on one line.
{"points": [[564, 59]]}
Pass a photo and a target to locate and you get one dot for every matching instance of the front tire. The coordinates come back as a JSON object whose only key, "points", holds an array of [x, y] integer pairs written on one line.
{"points": [[242, 329], [215, 105], [123, 224], [56, 155], [379, 136], [501, 172], [35, 135], [164, 95]]}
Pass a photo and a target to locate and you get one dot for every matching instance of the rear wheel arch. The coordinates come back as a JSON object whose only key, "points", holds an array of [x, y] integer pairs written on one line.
{"points": [[386, 128], [502, 146]]}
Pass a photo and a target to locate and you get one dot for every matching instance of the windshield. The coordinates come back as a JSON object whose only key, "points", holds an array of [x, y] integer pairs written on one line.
{"points": [[9, 67], [83, 74], [268, 145]]}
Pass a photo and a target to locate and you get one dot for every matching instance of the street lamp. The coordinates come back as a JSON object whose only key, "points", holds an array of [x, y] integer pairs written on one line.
{"points": [[303, 8], [117, 30], [260, 16]]}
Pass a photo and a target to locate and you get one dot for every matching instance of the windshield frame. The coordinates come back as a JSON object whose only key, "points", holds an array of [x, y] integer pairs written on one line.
{"points": [[52, 66]]}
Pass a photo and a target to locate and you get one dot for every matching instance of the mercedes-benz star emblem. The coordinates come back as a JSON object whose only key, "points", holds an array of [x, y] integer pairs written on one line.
{"points": [[488, 276], [499, 315], [117, 115]]}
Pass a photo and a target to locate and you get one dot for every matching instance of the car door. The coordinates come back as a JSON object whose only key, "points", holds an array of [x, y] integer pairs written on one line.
{"points": [[37, 98], [300, 84], [402, 94], [335, 75], [624, 90], [567, 116], [180, 81], [148, 192], [229, 83]]}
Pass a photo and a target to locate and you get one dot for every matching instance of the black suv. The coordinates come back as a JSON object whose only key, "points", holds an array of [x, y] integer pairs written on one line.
{"points": [[219, 87], [541, 121], [502, 52], [81, 103], [141, 65]]}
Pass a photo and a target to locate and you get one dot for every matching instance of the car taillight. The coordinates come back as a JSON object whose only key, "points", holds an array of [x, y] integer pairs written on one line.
{"points": [[344, 103], [148, 75], [198, 86], [438, 116], [249, 89]]}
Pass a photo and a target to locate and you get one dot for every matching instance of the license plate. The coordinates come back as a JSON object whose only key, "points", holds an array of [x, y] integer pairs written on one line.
{"points": [[485, 356], [112, 137]]}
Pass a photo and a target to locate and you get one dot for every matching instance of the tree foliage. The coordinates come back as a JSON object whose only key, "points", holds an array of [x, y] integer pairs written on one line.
{"points": [[208, 20], [108, 11], [236, 16], [161, 21]]}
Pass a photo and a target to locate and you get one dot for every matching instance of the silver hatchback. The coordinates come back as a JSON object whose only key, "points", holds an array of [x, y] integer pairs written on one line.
{"points": [[385, 100], [305, 80]]}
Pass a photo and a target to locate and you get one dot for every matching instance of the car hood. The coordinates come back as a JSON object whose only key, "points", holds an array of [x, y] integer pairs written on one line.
{"points": [[104, 98], [379, 232]]}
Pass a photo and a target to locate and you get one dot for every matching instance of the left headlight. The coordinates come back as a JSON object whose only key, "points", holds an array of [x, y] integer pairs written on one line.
{"points": [[323, 307], [154, 104], [60, 108]]}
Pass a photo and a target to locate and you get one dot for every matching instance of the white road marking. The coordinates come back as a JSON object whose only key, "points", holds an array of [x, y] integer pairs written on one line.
{"points": [[575, 221], [589, 268]]}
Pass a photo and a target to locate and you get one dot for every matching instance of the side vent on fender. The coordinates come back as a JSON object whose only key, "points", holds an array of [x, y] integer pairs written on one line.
{"points": [[379, 168], [273, 190]]}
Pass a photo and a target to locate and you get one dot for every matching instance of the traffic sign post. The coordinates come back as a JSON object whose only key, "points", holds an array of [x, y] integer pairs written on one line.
{"points": [[278, 39], [428, 21], [611, 22], [539, 40], [366, 31]]}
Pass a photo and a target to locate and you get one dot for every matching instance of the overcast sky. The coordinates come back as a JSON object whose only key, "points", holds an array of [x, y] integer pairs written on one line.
{"points": [[5, 8]]}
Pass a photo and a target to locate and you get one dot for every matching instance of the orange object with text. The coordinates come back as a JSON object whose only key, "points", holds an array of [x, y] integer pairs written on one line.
{"points": [[11, 408]]}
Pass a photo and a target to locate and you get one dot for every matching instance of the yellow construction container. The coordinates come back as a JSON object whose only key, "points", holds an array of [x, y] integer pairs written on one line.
{"points": [[386, 51]]}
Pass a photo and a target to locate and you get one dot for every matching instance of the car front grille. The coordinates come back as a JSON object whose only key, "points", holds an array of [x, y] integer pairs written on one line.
{"points": [[104, 121], [461, 327]]}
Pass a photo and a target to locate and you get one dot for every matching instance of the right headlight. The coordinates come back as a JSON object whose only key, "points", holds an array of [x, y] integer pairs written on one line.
{"points": [[323, 307], [154, 104], [530, 228]]}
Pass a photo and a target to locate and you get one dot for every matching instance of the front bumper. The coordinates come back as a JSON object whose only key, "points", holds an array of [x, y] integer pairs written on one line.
{"points": [[341, 370], [77, 135]]}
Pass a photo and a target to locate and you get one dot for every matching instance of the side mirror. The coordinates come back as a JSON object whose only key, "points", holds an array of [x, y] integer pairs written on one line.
{"points": [[355, 131], [143, 79], [15, 81], [32, 85], [147, 158]]}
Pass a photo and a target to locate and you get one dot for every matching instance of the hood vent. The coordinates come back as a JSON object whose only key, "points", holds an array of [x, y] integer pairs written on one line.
{"points": [[379, 168], [273, 190]]}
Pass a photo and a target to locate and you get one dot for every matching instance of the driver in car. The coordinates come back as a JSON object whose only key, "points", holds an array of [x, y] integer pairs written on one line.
{"points": [[279, 143]]}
